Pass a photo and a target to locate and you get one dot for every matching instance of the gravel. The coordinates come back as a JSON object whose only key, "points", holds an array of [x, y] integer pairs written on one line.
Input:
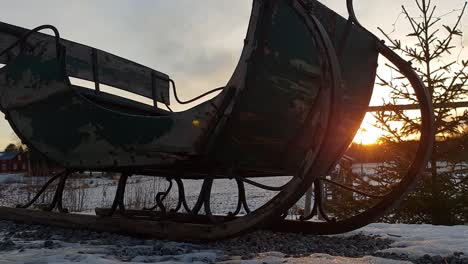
{"points": [[22, 237], [297, 245]]}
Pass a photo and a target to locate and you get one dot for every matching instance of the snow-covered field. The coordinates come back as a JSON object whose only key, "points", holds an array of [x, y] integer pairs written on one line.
{"points": [[6, 178]]}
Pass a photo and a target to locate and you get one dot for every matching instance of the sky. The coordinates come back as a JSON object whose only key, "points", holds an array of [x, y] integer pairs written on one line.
{"points": [[198, 43]]}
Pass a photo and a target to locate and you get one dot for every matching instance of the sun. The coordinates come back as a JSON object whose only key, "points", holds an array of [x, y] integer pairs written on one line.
{"points": [[367, 133]]}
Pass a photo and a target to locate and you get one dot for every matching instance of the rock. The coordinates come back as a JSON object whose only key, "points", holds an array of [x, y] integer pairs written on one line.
{"points": [[57, 237], [438, 259], [298, 245], [48, 244], [7, 244], [170, 250]]}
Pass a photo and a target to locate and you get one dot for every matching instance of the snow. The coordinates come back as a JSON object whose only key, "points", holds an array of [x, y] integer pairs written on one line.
{"points": [[76, 253], [8, 178], [327, 259], [277, 258], [418, 240], [413, 240]]}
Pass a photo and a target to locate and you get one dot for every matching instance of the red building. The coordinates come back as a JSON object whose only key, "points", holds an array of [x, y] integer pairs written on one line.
{"points": [[13, 162]]}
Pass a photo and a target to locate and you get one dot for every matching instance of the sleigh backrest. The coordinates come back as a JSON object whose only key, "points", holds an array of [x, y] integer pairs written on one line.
{"points": [[90, 64]]}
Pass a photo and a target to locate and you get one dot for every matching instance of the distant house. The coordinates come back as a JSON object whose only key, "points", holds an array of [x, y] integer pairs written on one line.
{"points": [[13, 162], [39, 165]]}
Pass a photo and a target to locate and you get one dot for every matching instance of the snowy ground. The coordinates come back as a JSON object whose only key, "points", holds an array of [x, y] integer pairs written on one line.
{"points": [[377, 243], [418, 240]]}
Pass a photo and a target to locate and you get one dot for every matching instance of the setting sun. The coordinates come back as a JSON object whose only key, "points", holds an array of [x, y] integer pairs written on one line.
{"points": [[368, 134]]}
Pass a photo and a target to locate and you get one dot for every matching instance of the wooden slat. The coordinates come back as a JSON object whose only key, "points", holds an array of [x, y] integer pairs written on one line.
{"points": [[112, 70], [170, 216], [390, 108], [118, 225]]}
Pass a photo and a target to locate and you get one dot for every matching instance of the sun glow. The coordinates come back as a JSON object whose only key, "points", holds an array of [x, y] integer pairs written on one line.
{"points": [[368, 134]]}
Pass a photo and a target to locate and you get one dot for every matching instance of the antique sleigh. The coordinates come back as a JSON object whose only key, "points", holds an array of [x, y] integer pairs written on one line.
{"points": [[292, 107]]}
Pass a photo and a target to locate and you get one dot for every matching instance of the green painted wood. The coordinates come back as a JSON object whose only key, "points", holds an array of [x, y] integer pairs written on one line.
{"points": [[112, 70], [283, 83], [56, 119]]}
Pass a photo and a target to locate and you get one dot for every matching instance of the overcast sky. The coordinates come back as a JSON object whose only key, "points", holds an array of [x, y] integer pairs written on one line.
{"points": [[197, 43]]}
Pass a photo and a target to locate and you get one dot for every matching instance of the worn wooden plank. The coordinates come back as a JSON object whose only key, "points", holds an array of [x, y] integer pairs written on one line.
{"points": [[138, 223], [390, 108], [155, 215], [112, 70], [118, 225]]}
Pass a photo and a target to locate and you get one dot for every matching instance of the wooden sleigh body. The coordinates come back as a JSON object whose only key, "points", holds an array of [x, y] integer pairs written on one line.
{"points": [[292, 106]]}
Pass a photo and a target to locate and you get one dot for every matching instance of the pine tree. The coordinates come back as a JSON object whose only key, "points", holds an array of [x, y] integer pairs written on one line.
{"points": [[11, 148], [447, 83]]}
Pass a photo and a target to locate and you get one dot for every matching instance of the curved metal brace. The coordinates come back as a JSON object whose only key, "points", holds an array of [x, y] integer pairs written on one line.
{"points": [[42, 190], [206, 187], [319, 195], [119, 195], [351, 189], [318, 209], [207, 200], [241, 199], [261, 186], [21, 40], [204, 200], [174, 89], [58, 196], [352, 14], [181, 193], [314, 210], [160, 197]]}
